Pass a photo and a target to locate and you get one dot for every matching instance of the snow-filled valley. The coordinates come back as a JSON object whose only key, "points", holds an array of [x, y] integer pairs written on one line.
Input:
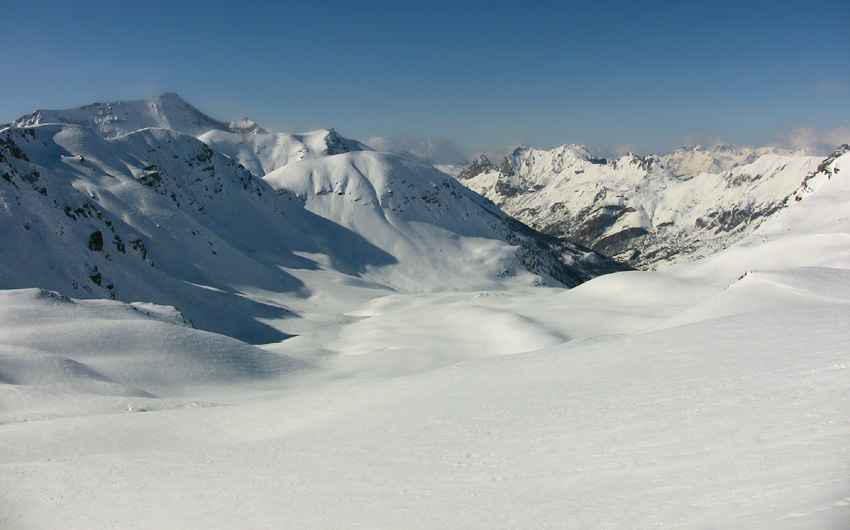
{"points": [[207, 325]]}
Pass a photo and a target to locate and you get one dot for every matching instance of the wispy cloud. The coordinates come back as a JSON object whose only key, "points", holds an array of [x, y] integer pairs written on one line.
{"points": [[814, 141], [436, 150], [830, 87]]}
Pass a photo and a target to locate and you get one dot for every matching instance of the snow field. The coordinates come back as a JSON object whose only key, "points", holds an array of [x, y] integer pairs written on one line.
{"points": [[62, 357], [737, 422]]}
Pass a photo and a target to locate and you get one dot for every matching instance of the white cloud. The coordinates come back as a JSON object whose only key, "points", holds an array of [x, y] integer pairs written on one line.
{"points": [[436, 150], [814, 141]]}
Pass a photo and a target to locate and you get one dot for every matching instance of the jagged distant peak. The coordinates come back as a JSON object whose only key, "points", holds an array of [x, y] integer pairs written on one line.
{"points": [[692, 160], [117, 118], [726, 148], [827, 165], [336, 143], [567, 157], [476, 166], [330, 142], [576, 151], [579, 151], [733, 150], [690, 147], [716, 148], [643, 163], [246, 126]]}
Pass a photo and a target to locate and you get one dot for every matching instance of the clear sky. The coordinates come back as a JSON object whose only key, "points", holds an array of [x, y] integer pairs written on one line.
{"points": [[651, 75]]}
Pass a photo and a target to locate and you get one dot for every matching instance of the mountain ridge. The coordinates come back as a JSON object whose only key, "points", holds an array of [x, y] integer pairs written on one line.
{"points": [[160, 215], [115, 118], [636, 209]]}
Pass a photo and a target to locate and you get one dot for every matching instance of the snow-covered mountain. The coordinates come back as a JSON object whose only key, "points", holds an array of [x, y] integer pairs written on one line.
{"points": [[94, 209], [155, 216], [167, 111], [692, 160], [647, 211], [409, 208], [263, 153]]}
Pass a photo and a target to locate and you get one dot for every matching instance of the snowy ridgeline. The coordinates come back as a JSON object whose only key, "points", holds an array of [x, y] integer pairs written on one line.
{"points": [[408, 369], [159, 215], [646, 211]]}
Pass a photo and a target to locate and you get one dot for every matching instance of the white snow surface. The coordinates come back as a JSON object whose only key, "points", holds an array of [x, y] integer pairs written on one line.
{"points": [[442, 235], [111, 119], [263, 153], [711, 394]]}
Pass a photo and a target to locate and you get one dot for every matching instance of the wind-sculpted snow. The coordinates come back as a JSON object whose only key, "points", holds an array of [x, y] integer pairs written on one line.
{"points": [[636, 209], [737, 422], [61, 350]]}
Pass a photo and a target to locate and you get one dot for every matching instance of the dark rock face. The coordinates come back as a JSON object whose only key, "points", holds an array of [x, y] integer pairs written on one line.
{"points": [[507, 190], [96, 241], [619, 237], [478, 165], [566, 261], [506, 169]]}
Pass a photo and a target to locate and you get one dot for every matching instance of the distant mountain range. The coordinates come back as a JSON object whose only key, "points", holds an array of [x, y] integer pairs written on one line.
{"points": [[646, 211]]}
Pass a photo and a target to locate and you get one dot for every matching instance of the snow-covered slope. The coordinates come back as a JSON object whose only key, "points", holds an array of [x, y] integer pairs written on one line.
{"points": [[692, 160], [636, 209], [60, 356], [263, 153], [243, 140], [813, 230], [443, 233], [157, 215], [167, 111]]}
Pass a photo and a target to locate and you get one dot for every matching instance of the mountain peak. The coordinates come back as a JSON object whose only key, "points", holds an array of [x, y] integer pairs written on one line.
{"points": [[476, 166], [246, 126], [118, 118], [170, 96]]}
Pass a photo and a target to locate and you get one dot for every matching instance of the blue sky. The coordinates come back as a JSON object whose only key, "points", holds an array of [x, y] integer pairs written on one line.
{"points": [[651, 75]]}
